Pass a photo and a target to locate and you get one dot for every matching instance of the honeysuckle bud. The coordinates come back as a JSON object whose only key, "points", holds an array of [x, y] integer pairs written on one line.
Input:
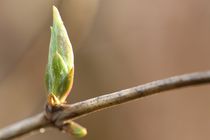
{"points": [[75, 129], [60, 68]]}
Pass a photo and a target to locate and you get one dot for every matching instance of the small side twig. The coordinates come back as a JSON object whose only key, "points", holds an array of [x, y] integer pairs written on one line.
{"points": [[102, 102]]}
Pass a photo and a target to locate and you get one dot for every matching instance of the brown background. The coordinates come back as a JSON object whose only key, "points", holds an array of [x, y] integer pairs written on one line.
{"points": [[117, 44]]}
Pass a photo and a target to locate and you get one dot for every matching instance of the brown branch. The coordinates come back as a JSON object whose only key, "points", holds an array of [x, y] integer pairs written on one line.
{"points": [[102, 102], [24, 127]]}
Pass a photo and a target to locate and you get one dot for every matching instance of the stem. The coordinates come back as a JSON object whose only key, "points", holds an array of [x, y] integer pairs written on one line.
{"points": [[102, 102], [109, 100], [23, 127]]}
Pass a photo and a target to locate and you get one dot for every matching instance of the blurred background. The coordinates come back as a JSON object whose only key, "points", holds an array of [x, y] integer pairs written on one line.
{"points": [[117, 44]]}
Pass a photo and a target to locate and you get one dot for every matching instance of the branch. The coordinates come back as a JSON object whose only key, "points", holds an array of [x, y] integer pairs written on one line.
{"points": [[24, 127], [102, 102]]}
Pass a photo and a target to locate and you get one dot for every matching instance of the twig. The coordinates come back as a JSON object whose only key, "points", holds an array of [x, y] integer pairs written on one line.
{"points": [[24, 127], [103, 102]]}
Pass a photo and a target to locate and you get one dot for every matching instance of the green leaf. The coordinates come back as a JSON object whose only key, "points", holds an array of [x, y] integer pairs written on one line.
{"points": [[60, 68]]}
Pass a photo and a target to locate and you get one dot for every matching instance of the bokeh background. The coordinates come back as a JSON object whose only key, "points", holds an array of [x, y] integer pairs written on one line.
{"points": [[117, 44]]}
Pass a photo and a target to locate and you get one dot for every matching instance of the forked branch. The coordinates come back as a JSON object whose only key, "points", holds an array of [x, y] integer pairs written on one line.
{"points": [[86, 107]]}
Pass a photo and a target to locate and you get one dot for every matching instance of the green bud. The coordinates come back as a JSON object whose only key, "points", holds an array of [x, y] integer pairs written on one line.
{"points": [[75, 129], [60, 68]]}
